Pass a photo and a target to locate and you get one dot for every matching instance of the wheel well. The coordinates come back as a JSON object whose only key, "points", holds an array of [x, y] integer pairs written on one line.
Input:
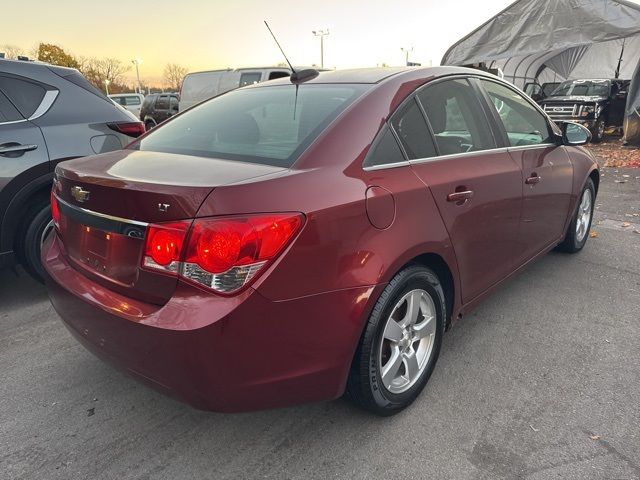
{"points": [[436, 263], [41, 195], [595, 177]]}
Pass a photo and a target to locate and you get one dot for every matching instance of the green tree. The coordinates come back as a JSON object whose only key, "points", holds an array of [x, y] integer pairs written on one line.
{"points": [[55, 55]]}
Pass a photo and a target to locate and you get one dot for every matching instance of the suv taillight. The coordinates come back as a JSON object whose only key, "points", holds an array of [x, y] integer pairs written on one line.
{"points": [[132, 129], [220, 254]]}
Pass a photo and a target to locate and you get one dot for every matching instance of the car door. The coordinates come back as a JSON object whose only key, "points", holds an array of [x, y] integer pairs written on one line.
{"points": [[173, 105], [22, 145], [161, 111], [547, 171], [617, 103], [475, 184]]}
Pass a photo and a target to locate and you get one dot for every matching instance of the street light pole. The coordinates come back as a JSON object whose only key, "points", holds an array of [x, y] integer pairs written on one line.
{"points": [[106, 85], [406, 54], [137, 62], [321, 34]]}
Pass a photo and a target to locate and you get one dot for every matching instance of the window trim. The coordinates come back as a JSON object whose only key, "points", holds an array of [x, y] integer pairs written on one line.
{"points": [[46, 103], [495, 129], [376, 141]]}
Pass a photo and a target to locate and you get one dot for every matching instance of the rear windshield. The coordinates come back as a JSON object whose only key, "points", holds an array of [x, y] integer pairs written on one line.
{"points": [[268, 125]]}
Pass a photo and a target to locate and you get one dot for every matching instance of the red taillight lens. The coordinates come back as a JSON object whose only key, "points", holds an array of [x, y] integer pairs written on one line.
{"points": [[133, 129], [55, 210], [222, 254], [163, 246]]}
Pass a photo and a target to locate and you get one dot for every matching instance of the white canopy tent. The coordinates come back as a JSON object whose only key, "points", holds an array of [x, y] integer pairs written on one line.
{"points": [[554, 40]]}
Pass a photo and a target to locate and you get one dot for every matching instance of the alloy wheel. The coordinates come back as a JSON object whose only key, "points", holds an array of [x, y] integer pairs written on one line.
{"points": [[584, 215], [408, 340]]}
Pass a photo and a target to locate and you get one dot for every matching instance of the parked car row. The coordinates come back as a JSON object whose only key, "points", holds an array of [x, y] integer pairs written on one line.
{"points": [[295, 240]]}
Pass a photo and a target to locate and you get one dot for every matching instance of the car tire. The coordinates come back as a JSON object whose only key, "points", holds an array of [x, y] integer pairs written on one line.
{"points": [[382, 345], [597, 133], [30, 236], [580, 226]]}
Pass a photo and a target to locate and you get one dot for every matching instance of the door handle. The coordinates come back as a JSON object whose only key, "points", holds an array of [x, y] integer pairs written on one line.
{"points": [[9, 148], [533, 179], [460, 197]]}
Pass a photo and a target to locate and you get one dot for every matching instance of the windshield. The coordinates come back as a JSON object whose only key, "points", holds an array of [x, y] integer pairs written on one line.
{"points": [[584, 88], [266, 125]]}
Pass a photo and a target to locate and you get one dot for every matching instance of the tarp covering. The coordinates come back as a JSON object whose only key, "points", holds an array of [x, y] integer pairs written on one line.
{"points": [[555, 40]]}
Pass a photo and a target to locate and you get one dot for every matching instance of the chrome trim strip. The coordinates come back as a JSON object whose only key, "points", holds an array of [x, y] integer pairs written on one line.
{"points": [[459, 155], [101, 215], [384, 166], [48, 99], [13, 121], [532, 147]]}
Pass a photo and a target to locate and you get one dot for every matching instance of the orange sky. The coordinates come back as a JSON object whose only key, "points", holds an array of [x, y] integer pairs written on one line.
{"points": [[203, 35]]}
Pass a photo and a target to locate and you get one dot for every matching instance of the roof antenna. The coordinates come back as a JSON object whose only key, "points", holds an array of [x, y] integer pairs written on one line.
{"points": [[298, 76]]}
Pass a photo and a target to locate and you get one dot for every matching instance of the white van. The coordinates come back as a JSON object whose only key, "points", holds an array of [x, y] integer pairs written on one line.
{"points": [[199, 86], [130, 101]]}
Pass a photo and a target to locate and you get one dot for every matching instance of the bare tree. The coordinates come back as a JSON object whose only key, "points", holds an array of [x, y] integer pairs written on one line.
{"points": [[173, 75], [11, 51]]}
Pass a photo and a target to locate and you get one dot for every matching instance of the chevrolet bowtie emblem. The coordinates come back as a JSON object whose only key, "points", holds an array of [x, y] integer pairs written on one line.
{"points": [[79, 194]]}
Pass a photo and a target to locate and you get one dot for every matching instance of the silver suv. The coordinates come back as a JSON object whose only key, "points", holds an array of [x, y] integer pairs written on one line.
{"points": [[47, 114]]}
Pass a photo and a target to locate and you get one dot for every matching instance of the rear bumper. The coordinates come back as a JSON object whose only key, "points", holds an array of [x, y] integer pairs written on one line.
{"points": [[216, 353]]}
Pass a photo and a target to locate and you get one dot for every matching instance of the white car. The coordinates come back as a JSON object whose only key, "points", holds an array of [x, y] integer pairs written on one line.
{"points": [[200, 86], [129, 101]]}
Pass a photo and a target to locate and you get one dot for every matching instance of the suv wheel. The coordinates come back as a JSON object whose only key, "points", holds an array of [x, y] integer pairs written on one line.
{"points": [[597, 133], [37, 224], [400, 344]]}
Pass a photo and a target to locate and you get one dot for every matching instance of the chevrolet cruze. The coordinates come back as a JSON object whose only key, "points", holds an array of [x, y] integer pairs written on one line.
{"points": [[290, 242]]}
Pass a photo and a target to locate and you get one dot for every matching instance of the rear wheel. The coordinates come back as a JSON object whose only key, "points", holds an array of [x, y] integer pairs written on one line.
{"points": [[597, 132], [36, 226], [401, 343], [580, 225]]}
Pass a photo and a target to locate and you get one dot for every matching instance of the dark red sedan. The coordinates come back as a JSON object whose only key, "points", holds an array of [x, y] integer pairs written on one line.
{"points": [[286, 243]]}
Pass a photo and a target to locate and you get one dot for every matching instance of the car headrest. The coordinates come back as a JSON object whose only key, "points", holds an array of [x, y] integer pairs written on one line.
{"points": [[241, 128]]}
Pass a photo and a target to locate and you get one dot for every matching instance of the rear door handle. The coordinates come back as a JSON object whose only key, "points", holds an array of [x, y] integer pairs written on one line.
{"points": [[460, 197], [533, 179], [13, 148]]}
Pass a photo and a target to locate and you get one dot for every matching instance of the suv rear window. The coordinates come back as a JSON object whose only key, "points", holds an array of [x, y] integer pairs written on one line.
{"points": [[25, 95], [268, 125]]}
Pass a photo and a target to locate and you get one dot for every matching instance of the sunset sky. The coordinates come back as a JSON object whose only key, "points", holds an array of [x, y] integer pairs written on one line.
{"points": [[202, 35]]}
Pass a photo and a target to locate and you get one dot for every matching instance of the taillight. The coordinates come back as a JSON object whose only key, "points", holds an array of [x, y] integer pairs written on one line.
{"points": [[132, 129], [163, 246], [55, 210], [221, 254]]}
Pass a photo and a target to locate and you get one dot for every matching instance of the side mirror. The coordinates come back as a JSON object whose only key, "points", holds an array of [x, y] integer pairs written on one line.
{"points": [[574, 134]]}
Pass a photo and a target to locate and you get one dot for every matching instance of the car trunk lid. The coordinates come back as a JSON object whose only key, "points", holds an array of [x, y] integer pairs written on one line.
{"points": [[106, 203]]}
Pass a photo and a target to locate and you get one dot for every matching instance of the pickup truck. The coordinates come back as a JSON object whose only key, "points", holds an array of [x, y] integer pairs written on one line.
{"points": [[598, 104]]}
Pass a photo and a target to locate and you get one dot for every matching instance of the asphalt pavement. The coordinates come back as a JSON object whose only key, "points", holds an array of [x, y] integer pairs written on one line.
{"points": [[541, 381]]}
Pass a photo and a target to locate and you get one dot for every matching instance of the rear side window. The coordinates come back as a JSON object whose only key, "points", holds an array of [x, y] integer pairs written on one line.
{"points": [[270, 125], [523, 123], [456, 117], [162, 103], [8, 112], [413, 132], [249, 78], [25, 95], [385, 151]]}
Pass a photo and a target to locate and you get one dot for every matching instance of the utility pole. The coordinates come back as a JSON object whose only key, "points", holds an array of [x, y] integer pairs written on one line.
{"points": [[406, 54], [137, 62], [321, 34]]}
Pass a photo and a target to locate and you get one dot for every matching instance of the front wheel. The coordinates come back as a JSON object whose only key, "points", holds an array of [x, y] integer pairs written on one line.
{"points": [[580, 225], [400, 344], [597, 132]]}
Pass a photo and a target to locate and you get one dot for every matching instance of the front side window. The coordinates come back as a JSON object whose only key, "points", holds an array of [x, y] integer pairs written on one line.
{"points": [[26, 96], [269, 125], [456, 117], [523, 123], [413, 132]]}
